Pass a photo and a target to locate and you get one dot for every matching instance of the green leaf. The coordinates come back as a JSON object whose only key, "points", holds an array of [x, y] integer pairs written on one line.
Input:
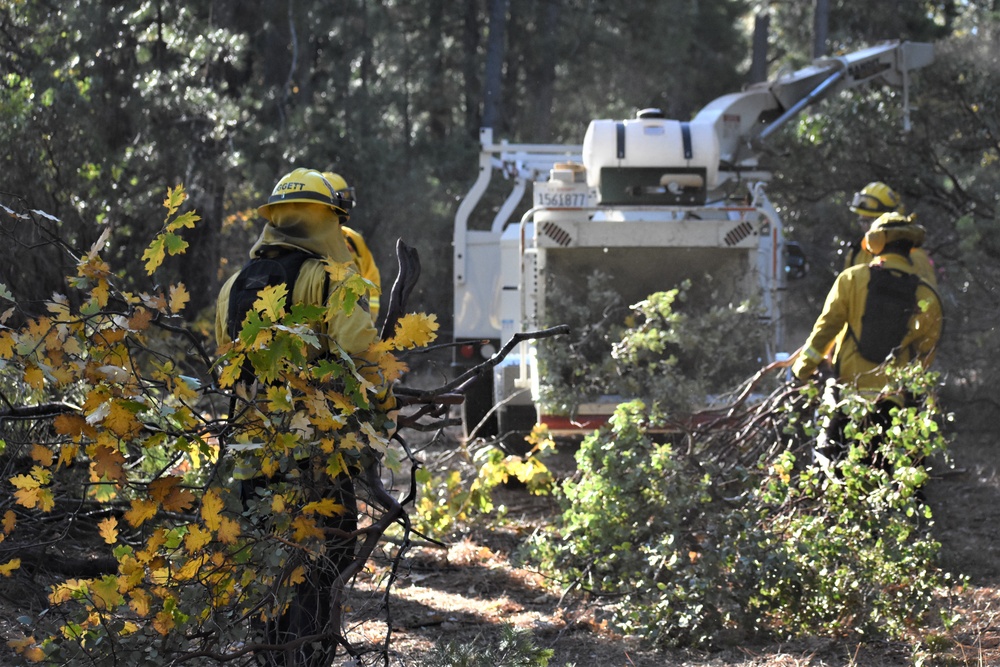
{"points": [[154, 254]]}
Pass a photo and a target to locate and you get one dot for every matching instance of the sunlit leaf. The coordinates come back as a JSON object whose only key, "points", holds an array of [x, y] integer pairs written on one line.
{"points": [[142, 510], [415, 330], [108, 529]]}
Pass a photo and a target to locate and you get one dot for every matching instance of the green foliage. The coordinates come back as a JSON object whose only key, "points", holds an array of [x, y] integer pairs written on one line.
{"points": [[688, 548], [673, 349], [448, 499], [514, 648]]}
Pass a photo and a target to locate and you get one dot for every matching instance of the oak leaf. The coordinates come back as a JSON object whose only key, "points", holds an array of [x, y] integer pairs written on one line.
{"points": [[271, 301], [142, 510], [196, 538], [229, 530], [415, 330], [304, 528], [108, 463], [175, 198], [211, 506], [326, 507], [140, 602], [42, 455], [8, 568], [108, 528], [178, 297]]}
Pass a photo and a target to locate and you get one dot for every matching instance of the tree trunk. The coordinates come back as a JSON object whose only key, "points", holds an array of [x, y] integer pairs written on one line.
{"points": [[438, 111], [543, 89], [492, 97], [758, 64], [470, 75], [821, 27]]}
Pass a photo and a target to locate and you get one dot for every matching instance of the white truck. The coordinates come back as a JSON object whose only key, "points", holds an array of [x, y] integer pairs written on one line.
{"points": [[650, 201]]}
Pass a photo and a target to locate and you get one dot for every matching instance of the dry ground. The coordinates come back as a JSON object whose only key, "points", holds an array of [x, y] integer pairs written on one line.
{"points": [[465, 593]]}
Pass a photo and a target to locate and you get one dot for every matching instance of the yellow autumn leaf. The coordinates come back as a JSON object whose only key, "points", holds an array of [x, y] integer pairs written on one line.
{"points": [[229, 531], [42, 455], [9, 521], [392, 368], [131, 573], [231, 373], [140, 602], [175, 197], [297, 576], [277, 504], [415, 330], [104, 592], [35, 377], [189, 570], [196, 538], [34, 654], [27, 497], [46, 500], [71, 425], [304, 528], [141, 511], [211, 506], [108, 462], [8, 568], [7, 343], [122, 421], [108, 529], [163, 623], [338, 271], [99, 294], [178, 297], [183, 220], [326, 507], [271, 301], [140, 319], [67, 454], [25, 482]]}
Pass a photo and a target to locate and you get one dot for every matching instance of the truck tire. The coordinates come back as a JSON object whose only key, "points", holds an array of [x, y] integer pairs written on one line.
{"points": [[515, 423], [478, 402]]}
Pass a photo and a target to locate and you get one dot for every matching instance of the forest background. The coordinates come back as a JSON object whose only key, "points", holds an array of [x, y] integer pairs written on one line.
{"points": [[106, 104]]}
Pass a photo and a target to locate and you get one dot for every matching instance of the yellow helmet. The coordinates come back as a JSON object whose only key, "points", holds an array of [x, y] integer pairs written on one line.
{"points": [[341, 187], [875, 199], [306, 186], [893, 227]]}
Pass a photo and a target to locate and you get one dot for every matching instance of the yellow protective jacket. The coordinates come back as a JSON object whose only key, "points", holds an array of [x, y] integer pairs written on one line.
{"points": [[315, 229], [859, 255], [366, 266], [838, 329]]}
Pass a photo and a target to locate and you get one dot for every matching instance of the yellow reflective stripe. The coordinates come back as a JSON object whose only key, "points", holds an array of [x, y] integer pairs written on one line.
{"points": [[813, 354]]}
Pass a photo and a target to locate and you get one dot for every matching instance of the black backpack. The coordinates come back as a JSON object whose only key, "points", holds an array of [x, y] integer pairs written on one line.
{"points": [[889, 305], [281, 266]]}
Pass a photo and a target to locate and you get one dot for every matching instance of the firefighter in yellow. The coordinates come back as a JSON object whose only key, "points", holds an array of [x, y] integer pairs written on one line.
{"points": [[874, 200], [304, 212], [875, 315], [356, 243], [303, 230], [838, 329]]}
